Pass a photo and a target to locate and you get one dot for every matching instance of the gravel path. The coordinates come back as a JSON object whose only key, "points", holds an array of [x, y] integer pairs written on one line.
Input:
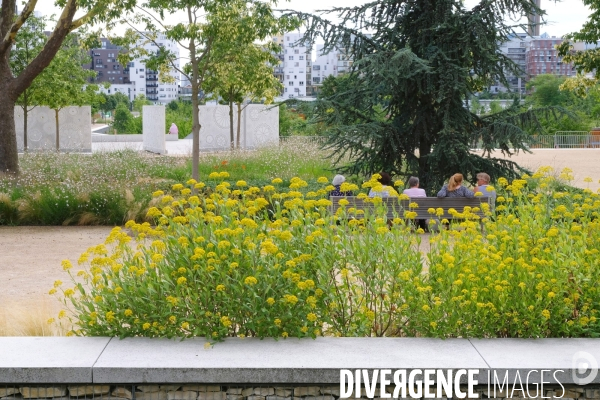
{"points": [[30, 258]]}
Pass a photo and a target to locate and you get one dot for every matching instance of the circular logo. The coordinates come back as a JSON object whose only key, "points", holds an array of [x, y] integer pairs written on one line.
{"points": [[584, 368]]}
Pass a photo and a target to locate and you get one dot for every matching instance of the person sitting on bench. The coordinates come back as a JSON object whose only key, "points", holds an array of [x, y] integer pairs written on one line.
{"points": [[483, 182], [414, 191], [337, 183], [386, 189], [454, 188]]}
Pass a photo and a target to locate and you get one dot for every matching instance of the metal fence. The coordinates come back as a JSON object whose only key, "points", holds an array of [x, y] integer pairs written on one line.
{"points": [[299, 139], [560, 140], [565, 140]]}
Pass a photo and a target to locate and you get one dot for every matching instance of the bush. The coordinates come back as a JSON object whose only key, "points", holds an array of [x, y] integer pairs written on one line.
{"points": [[123, 119], [180, 113], [239, 261]]}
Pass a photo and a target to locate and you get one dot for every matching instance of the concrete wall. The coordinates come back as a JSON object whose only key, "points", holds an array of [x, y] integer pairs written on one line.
{"points": [[259, 127], [285, 363], [96, 138], [153, 130], [75, 128]]}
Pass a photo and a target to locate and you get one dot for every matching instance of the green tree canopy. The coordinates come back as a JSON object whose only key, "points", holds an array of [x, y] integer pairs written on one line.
{"points": [[588, 60], [139, 102], [402, 108], [245, 74], [28, 45], [212, 28], [13, 84]]}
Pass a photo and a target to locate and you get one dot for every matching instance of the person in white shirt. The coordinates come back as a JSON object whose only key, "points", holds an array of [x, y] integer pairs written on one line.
{"points": [[483, 181], [414, 191]]}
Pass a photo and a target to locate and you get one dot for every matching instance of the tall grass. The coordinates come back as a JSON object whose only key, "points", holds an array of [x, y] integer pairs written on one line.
{"points": [[109, 188], [32, 319]]}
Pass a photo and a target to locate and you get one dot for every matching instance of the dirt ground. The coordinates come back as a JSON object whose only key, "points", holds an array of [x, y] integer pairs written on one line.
{"points": [[30, 257], [583, 162], [30, 260]]}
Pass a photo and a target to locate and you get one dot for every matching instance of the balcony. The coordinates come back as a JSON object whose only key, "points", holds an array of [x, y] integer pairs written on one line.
{"points": [[152, 78], [151, 84]]}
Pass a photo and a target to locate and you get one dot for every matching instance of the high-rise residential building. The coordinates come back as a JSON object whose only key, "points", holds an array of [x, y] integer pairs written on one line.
{"points": [[324, 65], [135, 78], [296, 66], [515, 49], [542, 57]]}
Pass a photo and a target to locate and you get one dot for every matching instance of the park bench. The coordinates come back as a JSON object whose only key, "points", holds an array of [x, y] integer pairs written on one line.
{"points": [[397, 207]]}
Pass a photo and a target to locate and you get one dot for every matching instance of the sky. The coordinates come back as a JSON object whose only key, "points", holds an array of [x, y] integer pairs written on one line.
{"points": [[562, 17]]}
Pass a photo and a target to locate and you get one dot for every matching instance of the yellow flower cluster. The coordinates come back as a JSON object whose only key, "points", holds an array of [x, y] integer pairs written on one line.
{"points": [[344, 273]]}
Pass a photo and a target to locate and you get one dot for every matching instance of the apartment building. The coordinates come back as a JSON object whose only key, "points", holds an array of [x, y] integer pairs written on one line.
{"points": [[515, 49], [134, 78], [542, 57], [324, 65], [296, 66]]}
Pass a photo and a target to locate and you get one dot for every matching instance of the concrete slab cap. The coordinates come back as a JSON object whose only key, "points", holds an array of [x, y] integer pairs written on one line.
{"points": [[49, 360], [575, 357], [142, 360]]}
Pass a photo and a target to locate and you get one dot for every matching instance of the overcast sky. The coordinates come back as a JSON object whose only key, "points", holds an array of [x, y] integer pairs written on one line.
{"points": [[563, 17]]}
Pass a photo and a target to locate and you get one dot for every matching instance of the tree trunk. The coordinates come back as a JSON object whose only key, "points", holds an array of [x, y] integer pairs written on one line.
{"points": [[57, 131], [239, 124], [25, 113], [424, 170], [195, 129], [9, 158], [231, 137]]}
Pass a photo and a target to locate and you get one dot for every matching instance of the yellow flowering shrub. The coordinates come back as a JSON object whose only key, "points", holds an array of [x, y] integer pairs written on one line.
{"points": [[532, 271], [274, 262]]}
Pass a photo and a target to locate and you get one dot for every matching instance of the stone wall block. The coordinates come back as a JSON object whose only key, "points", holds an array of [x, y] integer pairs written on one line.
{"points": [[7, 391], [331, 390], [254, 397], [43, 392], [148, 388], [202, 388], [323, 397], [234, 390], [283, 392], [264, 391], [86, 390], [160, 395], [122, 393], [275, 397], [212, 396], [307, 391], [592, 393], [571, 393], [181, 395], [170, 388]]}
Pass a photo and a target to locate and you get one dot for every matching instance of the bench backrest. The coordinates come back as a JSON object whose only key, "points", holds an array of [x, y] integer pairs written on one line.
{"points": [[397, 207]]}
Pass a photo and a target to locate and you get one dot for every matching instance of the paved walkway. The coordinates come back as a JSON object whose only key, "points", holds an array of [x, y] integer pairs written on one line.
{"points": [[182, 147]]}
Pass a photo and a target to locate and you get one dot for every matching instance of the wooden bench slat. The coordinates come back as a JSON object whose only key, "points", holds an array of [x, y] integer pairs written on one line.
{"points": [[397, 207]]}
